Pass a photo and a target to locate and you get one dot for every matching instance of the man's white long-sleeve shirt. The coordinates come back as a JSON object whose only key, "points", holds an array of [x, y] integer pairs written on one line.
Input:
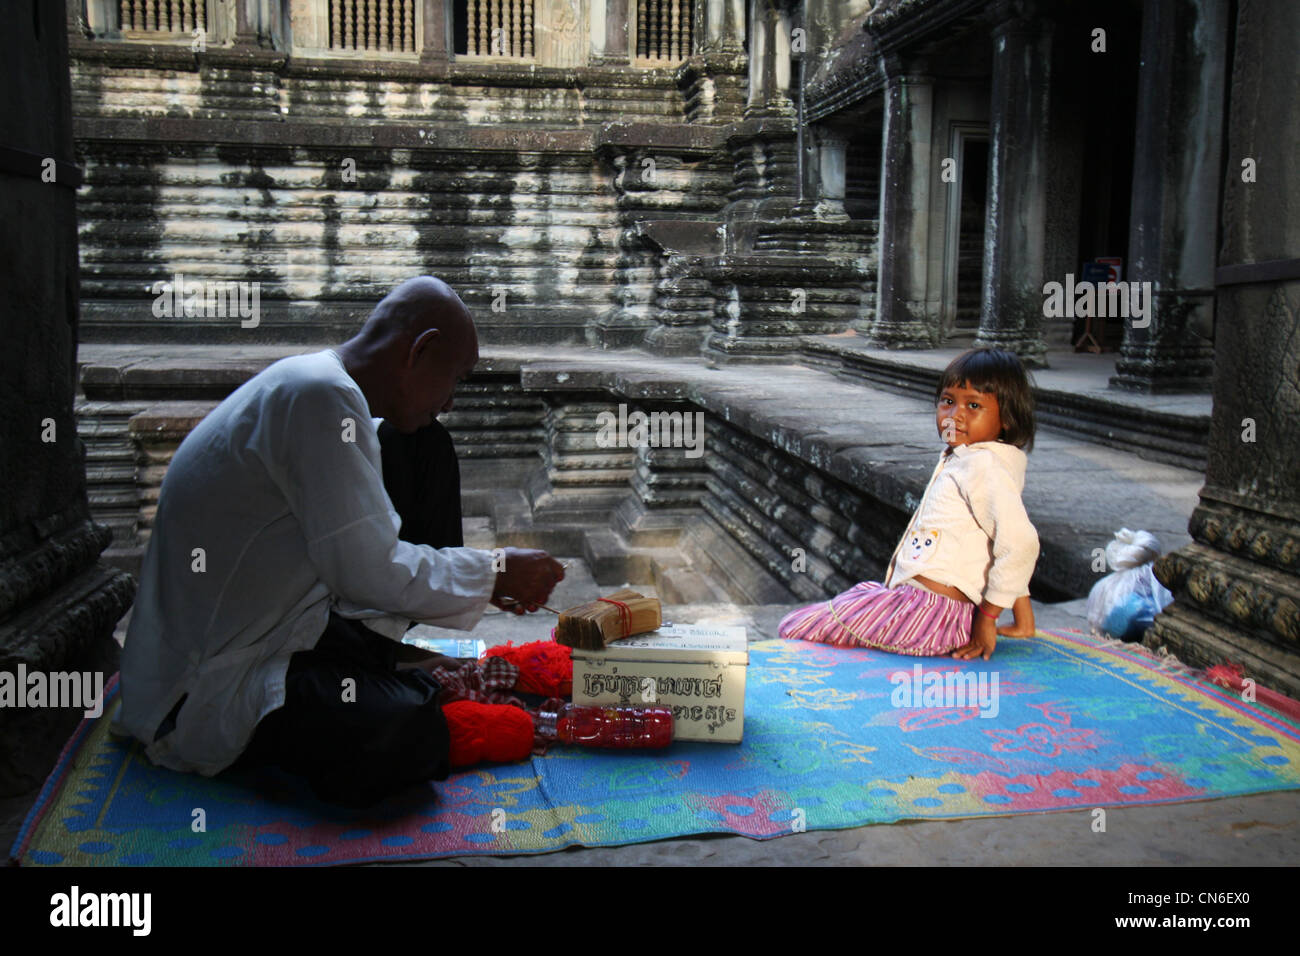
{"points": [[272, 512]]}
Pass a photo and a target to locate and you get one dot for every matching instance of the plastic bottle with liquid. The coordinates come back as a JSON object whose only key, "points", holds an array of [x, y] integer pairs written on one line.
{"points": [[619, 726]]}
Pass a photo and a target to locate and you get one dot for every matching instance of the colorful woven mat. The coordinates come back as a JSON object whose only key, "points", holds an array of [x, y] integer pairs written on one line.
{"points": [[833, 738]]}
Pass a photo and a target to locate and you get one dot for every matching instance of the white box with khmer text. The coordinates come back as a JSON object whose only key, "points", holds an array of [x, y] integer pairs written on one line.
{"points": [[697, 670]]}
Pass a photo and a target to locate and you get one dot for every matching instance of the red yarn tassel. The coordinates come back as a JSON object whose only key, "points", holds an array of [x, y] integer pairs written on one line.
{"points": [[545, 668], [1230, 675], [487, 733]]}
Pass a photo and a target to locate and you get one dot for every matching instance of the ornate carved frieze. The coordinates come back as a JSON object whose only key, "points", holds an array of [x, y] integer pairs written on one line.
{"points": [[846, 75], [1235, 591]]}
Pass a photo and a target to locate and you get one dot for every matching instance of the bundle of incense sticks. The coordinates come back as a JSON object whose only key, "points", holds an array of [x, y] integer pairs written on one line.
{"points": [[624, 613]]}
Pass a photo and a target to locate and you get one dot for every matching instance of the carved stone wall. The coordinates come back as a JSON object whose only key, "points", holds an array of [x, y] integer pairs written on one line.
{"points": [[326, 182], [1237, 586], [525, 236], [561, 31], [58, 606]]}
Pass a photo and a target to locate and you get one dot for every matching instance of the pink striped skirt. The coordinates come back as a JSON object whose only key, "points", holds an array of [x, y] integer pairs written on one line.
{"points": [[904, 619]]}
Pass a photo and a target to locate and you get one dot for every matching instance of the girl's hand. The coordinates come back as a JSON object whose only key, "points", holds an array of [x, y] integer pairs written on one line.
{"points": [[1024, 621], [983, 639]]}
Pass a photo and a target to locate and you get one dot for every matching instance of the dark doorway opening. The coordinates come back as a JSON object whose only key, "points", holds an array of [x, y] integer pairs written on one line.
{"points": [[862, 169], [1099, 91], [460, 27], [970, 237]]}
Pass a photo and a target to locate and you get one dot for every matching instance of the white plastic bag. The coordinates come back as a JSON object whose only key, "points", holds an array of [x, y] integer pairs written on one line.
{"points": [[1123, 604]]}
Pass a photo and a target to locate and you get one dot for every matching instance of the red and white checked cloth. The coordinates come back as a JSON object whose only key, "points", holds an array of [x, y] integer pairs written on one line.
{"points": [[490, 681]]}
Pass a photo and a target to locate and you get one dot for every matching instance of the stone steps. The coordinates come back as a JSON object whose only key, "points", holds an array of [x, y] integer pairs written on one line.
{"points": [[111, 475], [862, 458], [1132, 424], [615, 558], [479, 95]]}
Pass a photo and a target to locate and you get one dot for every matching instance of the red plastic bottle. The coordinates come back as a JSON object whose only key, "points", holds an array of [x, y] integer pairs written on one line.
{"points": [[614, 726]]}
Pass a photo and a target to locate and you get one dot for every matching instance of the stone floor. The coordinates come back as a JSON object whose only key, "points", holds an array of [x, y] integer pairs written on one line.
{"points": [[1261, 830], [1081, 372], [1084, 373]]}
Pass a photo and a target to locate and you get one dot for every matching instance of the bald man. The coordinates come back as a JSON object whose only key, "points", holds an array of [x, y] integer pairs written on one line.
{"points": [[295, 541]]}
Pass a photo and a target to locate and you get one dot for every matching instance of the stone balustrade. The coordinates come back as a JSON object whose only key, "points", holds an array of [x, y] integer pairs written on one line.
{"points": [[385, 26], [663, 29], [500, 28], [163, 16]]}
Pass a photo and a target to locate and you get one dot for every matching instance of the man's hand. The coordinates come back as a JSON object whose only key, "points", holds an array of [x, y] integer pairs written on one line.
{"points": [[431, 662], [528, 579], [983, 639]]}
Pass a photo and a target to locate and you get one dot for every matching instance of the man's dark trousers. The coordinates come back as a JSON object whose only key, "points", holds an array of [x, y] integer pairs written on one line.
{"points": [[388, 731]]}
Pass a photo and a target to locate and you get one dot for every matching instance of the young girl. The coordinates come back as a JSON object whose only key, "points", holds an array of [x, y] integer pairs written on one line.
{"points": [[969, 550]]}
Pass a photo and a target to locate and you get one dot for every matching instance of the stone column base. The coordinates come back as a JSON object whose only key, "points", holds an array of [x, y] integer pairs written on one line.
{"points": [[1201, 642], [68, 628], [913, 332], [1025, 342], [1172, 355], [1230, 608]]}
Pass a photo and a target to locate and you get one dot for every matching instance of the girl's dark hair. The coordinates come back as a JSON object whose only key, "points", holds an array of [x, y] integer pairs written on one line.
{"points": [[999, 372]]}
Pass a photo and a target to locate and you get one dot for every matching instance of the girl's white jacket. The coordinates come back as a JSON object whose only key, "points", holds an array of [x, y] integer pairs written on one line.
{"points": [[971, 530]]}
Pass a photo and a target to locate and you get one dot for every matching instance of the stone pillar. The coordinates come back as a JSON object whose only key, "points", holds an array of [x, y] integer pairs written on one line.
{"points": [[610, 31], [246, 24], [58, 605], [769, 61], [309, 27], [1237, 585], [667, 483], [1015, 231], [257, 24], [903, 318], [832, 166], [684, 305], [101, 18], [724, 26], [759, 41], [586, 475], [614, 48], [1176, 167], [437, 27]]}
